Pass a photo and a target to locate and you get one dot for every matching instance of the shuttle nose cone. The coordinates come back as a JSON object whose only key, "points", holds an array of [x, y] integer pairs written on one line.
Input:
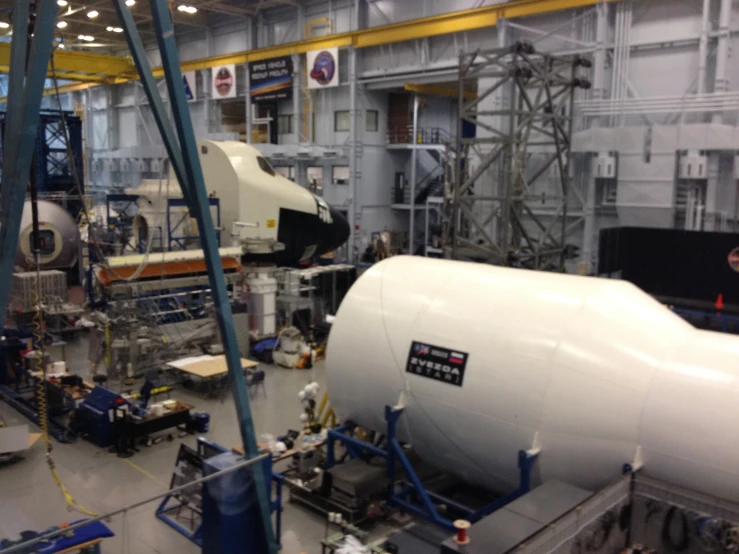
{"points": [[306, 236], [339, 230]]}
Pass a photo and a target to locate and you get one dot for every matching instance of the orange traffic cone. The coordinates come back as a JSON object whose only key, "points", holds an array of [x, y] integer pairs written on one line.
{"points": [[719, 302]]}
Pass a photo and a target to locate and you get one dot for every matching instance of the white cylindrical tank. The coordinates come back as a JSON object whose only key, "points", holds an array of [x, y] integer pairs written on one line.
{"points": [[489, 361], [60, 237]]}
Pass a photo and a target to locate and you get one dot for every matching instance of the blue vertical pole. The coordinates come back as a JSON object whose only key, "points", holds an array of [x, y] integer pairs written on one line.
{"points": [[138, 52], [25, 91], [18, 58], [200, 207]]}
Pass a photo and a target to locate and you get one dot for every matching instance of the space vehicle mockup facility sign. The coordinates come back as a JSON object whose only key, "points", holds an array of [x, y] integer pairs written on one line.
{"points": [[271, 79]]}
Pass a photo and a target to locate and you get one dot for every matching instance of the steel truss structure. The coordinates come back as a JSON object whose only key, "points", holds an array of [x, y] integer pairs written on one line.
{"points": [[506, 200]]}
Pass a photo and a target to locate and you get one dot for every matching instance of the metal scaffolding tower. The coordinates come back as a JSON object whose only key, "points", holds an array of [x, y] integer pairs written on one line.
{"points": [[506, 201]]}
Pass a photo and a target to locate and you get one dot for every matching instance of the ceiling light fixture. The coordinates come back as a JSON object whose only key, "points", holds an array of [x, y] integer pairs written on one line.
{"points": [[130, 3], [187, 9], [61, 45], [61, 3], [92, 14], [117, 30], [61, 24], [4, 25], [86, 38]]}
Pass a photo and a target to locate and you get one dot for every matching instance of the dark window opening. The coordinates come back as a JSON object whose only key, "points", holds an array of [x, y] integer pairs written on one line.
{"points": [[342, 120], [264, 166], [371, 120], [46, 241]]}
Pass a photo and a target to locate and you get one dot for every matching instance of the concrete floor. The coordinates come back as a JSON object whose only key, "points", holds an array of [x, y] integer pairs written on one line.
{"points": [[101, 482]]}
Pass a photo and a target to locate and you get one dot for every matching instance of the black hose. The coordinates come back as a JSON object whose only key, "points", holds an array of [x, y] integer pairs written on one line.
{"points": [[667, 538], [624, 517]]}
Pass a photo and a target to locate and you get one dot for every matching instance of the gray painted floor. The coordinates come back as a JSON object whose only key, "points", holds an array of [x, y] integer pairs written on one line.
{"points": [[101, 482]]}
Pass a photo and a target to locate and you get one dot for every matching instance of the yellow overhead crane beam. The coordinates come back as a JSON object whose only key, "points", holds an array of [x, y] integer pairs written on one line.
{"points": [[438, 90], [82, 65], [119, 70]]}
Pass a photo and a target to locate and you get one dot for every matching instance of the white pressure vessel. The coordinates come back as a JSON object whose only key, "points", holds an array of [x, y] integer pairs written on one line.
{"points": [[489, 361]]}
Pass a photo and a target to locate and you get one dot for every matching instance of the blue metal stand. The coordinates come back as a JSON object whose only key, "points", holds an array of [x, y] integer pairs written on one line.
{"points": [[16, 400], [401, 499], [181, 241], [207, 448], [721, 318], [123, 222]]}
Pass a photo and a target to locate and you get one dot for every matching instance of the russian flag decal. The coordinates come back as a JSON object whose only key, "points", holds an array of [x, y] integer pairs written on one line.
{"points": [[437, 363]]}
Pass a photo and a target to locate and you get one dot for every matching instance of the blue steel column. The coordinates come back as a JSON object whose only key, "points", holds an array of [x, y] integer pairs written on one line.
{"points": [[201, 209], [25, 90], [18, 59]]}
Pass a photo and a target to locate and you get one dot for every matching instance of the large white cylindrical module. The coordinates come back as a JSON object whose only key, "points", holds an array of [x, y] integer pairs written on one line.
{"points": [[489, 361], [59, 237]]}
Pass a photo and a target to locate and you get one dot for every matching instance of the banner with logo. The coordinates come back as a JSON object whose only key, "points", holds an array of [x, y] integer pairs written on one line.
{"points": [[271, 79], [188, 80], [224, 81], [323, 68]]}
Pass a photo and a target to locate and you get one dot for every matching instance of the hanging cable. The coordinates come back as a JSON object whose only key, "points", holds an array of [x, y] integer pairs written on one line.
{"points": [[41, 398], [683, 541], [39, 358]]}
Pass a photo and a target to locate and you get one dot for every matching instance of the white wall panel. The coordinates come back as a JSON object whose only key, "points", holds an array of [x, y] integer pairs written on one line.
{"points": [[395, 11], [658, 71], [438, 112], [154, 58], [377, 177], [664, 72], [373, 101], [126, 93], [193, 50], [127, 133], [665, 20], [234, 41]]}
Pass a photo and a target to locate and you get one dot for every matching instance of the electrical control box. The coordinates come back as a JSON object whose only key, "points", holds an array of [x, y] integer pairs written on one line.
{"points": [[604, 166], [693, 165]]}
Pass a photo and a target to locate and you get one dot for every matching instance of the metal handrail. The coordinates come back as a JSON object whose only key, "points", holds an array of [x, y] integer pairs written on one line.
{"points": [[65, 530]]}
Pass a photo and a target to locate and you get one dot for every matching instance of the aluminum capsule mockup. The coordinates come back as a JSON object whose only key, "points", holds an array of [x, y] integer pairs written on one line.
{"points": [[593, 371]]}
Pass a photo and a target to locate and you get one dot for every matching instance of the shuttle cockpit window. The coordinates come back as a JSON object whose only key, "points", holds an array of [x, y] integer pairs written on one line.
{"points": [[264, 165]]}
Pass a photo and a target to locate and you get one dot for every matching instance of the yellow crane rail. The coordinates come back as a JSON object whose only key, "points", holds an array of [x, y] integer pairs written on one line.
{"points": [[114, 69]]}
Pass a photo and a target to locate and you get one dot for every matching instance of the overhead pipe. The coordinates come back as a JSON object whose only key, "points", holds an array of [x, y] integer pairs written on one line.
{"points": [[721, 81], [414, 161], [726, 101], [703, 46], [353, 169], [599, 93], [626, 52], [728, 104], [646, 104], [727, 95], [616, 57], [703, 108]]}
